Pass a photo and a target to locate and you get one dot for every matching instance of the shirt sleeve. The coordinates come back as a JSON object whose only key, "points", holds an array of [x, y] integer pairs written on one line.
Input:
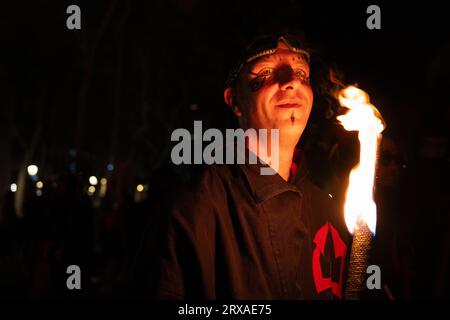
{"points": [[186, 262]]}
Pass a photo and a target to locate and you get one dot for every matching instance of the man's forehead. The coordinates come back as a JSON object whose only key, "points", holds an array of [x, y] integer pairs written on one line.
{"points": [[283, 54]]}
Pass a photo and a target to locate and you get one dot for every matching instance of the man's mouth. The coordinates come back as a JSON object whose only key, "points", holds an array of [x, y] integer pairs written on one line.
{"points": [[288, 105]]}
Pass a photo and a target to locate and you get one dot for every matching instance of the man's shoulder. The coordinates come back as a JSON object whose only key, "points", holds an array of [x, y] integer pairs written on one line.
{"points": [[206, 191], [211, 180]]}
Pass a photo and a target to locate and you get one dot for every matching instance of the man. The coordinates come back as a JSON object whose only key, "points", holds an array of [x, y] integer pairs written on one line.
{"points": [[237, 234]]}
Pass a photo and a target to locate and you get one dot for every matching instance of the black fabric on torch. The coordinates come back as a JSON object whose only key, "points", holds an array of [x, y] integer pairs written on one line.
{"points": [[359, 257]]}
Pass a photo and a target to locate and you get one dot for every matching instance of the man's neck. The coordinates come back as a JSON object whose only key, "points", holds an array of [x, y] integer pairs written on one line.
{"points": [[285, 165], [279, 157]]}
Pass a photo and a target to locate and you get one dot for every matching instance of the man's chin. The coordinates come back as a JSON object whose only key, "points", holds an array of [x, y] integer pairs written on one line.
{"points": [[289, 127]]}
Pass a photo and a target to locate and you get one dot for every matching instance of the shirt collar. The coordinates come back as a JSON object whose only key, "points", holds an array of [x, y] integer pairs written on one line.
{"points": [[265, 187]]}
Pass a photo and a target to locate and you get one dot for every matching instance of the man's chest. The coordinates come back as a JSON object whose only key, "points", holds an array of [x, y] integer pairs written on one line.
{"points": [[284, 249]]}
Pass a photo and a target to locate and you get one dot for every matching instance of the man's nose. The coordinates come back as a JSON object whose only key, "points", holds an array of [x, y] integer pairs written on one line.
{"points": [[286, 78]]}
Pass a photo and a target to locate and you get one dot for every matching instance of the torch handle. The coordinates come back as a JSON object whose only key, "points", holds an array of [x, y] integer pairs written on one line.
{"points": [[359, 257]]}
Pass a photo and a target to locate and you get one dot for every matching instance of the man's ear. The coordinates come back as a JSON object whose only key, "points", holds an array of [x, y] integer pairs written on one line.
{"points": [[230, 99]]}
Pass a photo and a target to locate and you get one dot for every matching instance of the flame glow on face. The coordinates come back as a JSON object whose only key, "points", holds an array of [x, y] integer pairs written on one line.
{"points": [[362, 117]]}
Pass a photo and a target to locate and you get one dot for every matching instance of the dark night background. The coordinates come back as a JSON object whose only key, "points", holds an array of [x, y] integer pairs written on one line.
{"points": [[74, 101]]}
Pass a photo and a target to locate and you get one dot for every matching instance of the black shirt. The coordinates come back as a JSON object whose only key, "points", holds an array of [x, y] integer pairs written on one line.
{"points": [[237, 234]]}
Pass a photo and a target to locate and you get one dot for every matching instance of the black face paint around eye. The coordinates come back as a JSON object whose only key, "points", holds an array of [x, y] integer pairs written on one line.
{"points": [[257, 83]]}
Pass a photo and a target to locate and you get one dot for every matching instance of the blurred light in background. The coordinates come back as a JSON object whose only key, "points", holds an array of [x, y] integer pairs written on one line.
{"points": [[32, 170], [91, 190], [93, 180], [140, 193], [13, 187], [103, 185], [39, 184]]}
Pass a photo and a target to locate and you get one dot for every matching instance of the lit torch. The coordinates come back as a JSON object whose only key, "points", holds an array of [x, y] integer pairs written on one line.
{"points": [[360, 209]]}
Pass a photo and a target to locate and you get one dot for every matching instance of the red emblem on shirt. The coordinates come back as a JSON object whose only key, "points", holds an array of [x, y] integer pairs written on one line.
{"points": [[340, 248]]}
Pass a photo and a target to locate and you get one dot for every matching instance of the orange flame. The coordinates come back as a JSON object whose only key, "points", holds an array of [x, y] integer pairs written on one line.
{"points": [[362, 117]]}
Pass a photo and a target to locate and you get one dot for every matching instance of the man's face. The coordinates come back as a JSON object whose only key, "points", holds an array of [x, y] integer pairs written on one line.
{"points": [[274, 92]]}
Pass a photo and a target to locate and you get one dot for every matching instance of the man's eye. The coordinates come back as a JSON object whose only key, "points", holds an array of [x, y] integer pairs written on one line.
{"points": [[265, 72], [301, 75]]}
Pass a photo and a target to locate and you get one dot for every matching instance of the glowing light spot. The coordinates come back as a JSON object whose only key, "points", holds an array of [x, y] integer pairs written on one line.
{"points": [[32, 170], [93, 180], [91, 190]]}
